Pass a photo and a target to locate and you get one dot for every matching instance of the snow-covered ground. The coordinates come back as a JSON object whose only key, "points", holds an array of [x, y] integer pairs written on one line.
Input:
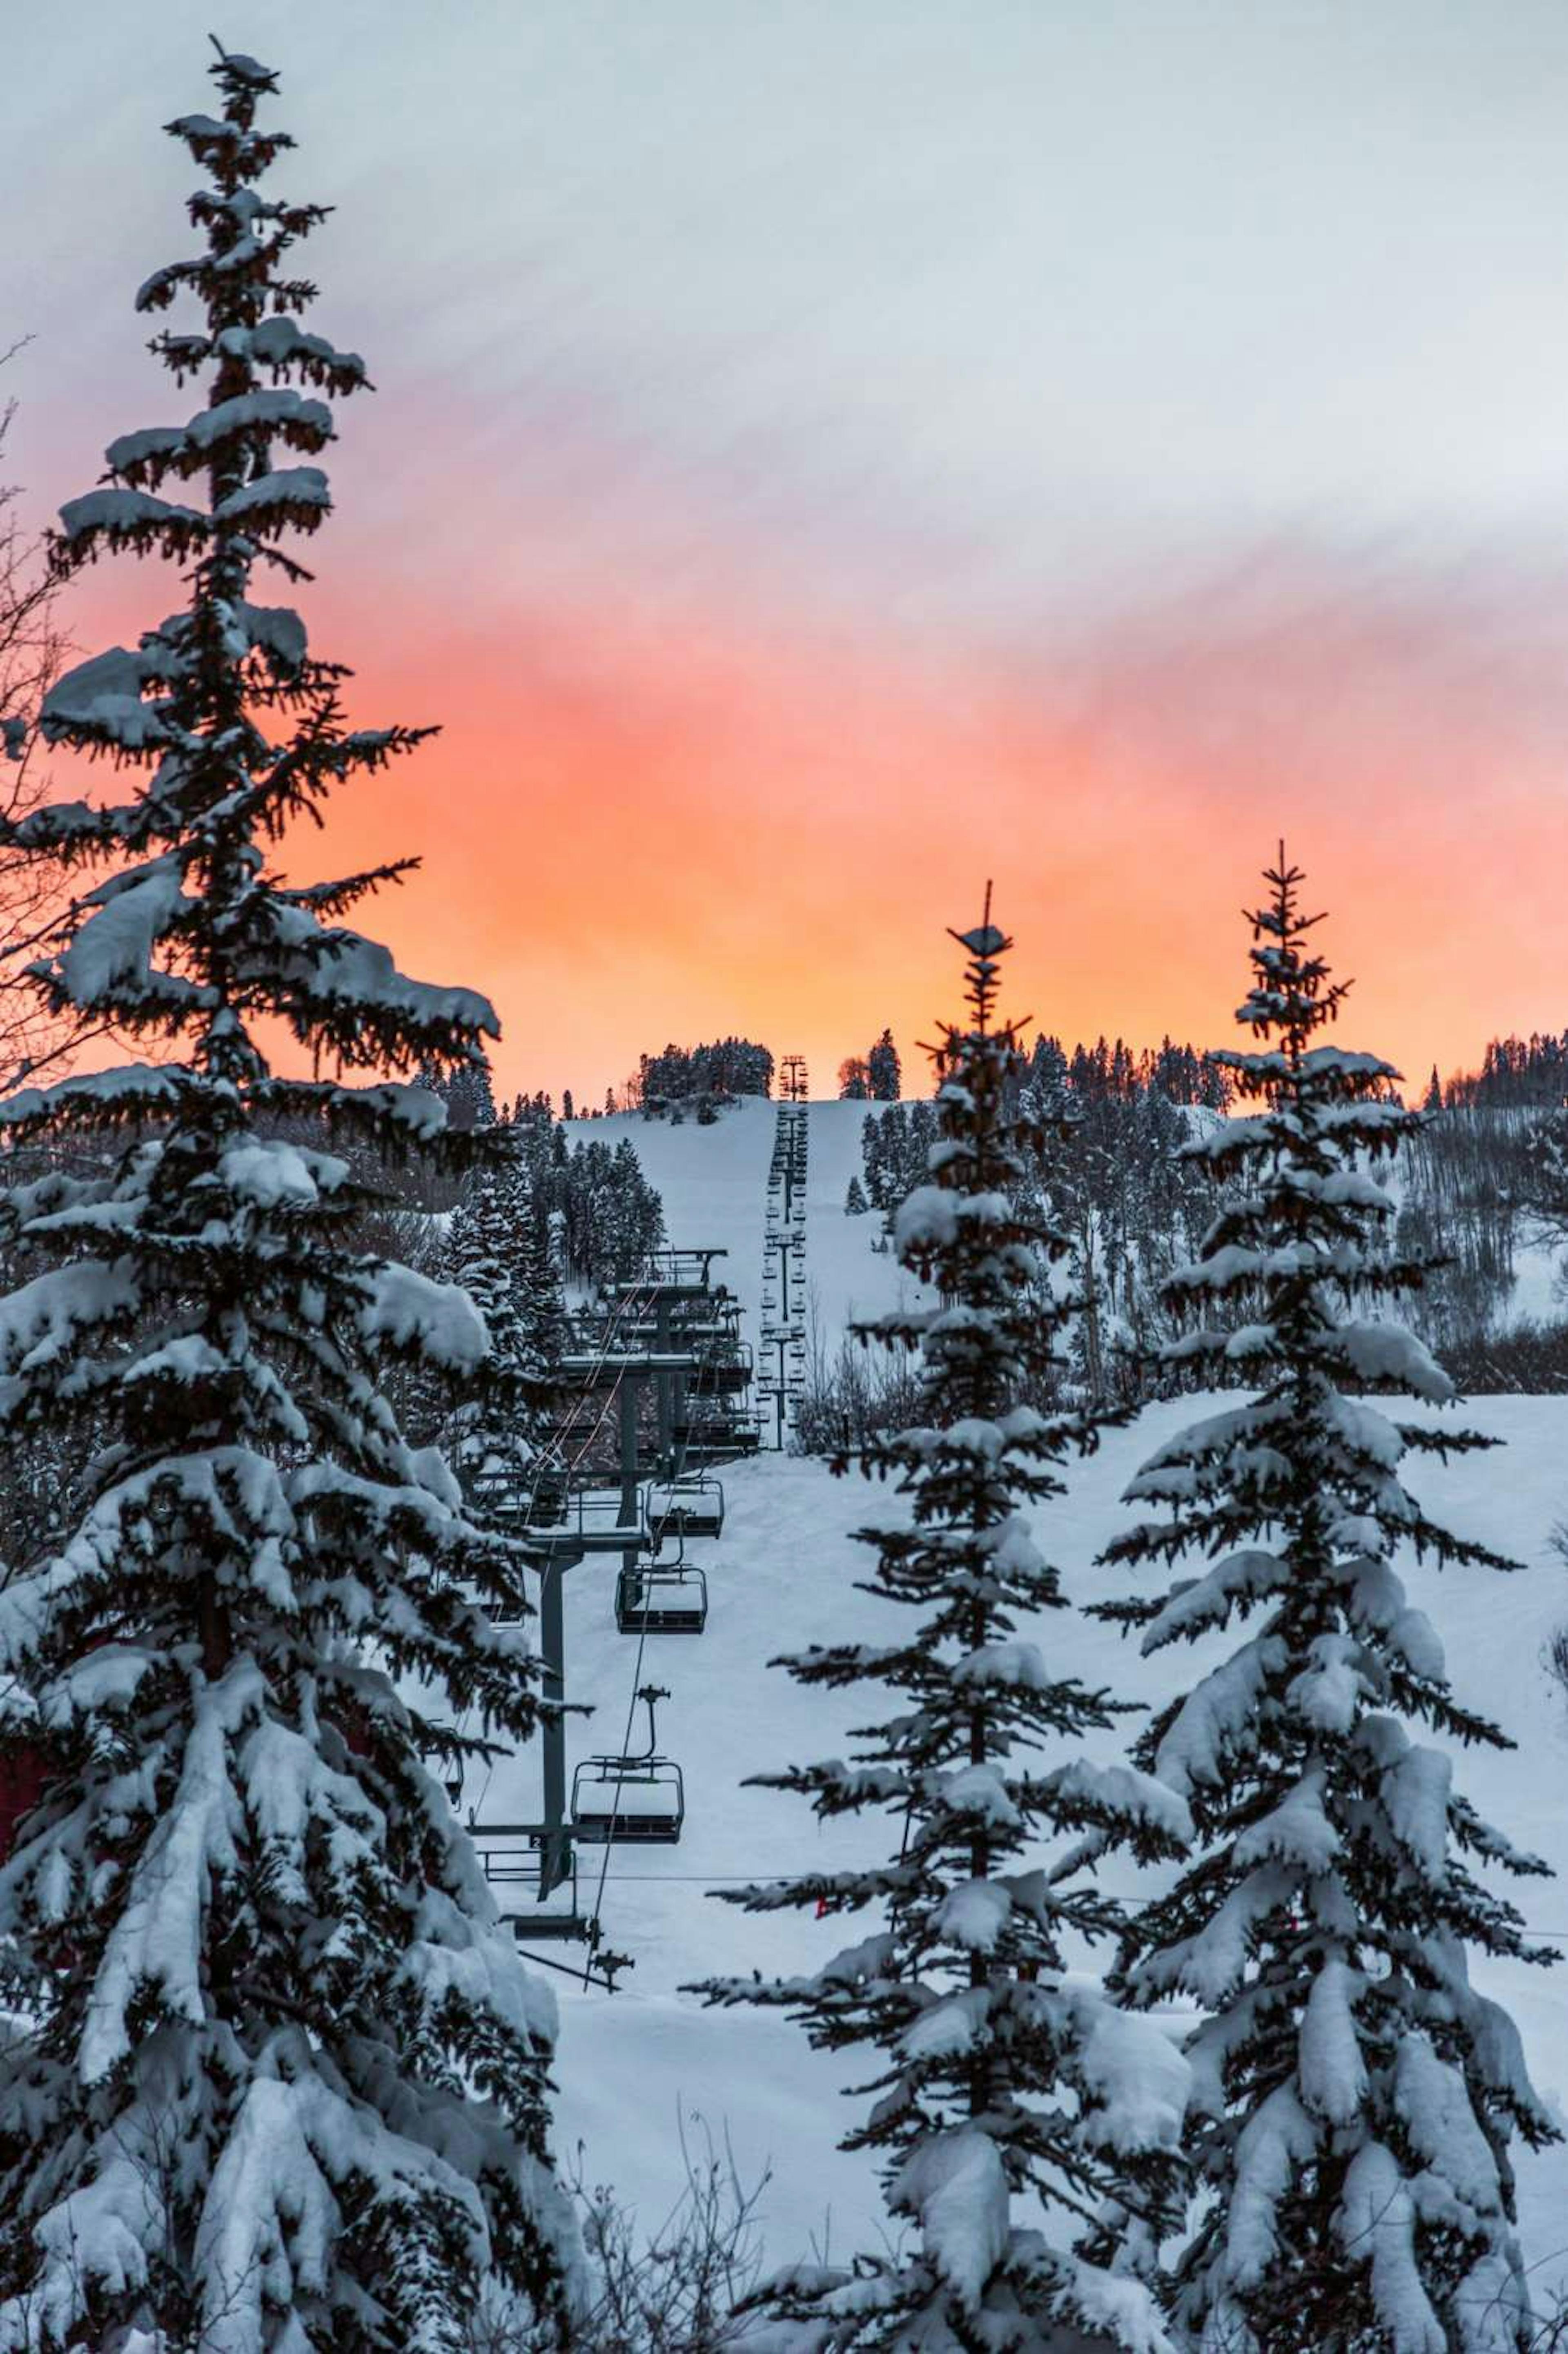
{"points": [[782, 1578]]}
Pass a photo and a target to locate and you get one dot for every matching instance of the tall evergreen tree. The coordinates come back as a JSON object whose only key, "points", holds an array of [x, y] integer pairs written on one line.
{"points": [[1356, 2096], [1009, 2101], [282, 2084], [465, 1092], [871, 1155], [883, 1071], [498, 1252], [544, 1326]]}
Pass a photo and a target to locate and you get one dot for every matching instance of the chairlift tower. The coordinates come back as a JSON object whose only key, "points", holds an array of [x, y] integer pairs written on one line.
{"points": [[783, 1336], [676, 1305]]}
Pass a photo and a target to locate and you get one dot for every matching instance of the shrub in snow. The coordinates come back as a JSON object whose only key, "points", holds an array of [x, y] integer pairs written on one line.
{"points": [[1010, 2102], [1354, 2095], [284, 2082]]}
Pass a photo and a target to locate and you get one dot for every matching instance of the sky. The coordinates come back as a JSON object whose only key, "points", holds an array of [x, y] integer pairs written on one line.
{"points": [[829, 453]]}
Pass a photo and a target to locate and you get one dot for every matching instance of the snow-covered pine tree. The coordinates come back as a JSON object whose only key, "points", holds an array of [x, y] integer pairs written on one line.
{"points": [[873, 1156], [1354, 2095], [544, 1326], [466, 1093], [883, 1070], [1011, 2101], [283, 2084], [498, 1252], [856, 1203]]}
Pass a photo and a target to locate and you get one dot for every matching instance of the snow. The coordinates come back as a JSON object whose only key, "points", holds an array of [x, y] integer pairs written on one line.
{"points": [[1278, 2134], [403, 1307], [120, 511], [713, 1180], [1213, 1713], [1297, 1832], [277, 629], [1377, 2212], [43, 1319], [155, 1937], [954, 2188], [114, 946], [1138, 2079], [1385, 1352], [1415, 1792], [269, 1170], [1333, 2076], [975, 1913], [128, 450], [132, 1086], [105, 695], [1435, 2110], [276, 343], [1242, 1577], [630, 2065], [783, 1577], [285, 487], [344, 966], [275, 408]]}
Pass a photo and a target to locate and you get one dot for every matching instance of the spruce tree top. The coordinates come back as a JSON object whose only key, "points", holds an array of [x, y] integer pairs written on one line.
{"points": [[191, 936]]}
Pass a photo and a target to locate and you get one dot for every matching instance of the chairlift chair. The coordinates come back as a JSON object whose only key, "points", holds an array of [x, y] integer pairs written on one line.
{"points": [[660, 1599], [692, 1506], [726, 1365], [638, 1801], [536, 1859]]}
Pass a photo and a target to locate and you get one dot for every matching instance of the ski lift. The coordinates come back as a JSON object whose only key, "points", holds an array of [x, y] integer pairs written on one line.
{"points": [[712, 1434], [723, 1365], [638, 1799], [692, 1506], [588, 1520], [660, 1599]]}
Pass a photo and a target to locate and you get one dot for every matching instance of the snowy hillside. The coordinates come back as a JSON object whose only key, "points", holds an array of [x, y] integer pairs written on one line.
{"points": [[782, 1578], [714, 1183]]}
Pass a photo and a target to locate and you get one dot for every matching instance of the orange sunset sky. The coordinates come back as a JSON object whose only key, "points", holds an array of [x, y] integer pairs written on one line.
{"points": [[826, 454]]}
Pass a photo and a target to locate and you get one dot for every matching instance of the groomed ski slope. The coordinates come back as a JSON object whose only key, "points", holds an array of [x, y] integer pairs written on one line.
{"points": [[782, 1578], [713, 1180]]}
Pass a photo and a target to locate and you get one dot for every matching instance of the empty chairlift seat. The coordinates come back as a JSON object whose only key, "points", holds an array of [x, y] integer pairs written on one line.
{"points": [[512, 1494], [659, 1600], [589, 1521], [638, 1801], [723, 1365], [692, 1506]]}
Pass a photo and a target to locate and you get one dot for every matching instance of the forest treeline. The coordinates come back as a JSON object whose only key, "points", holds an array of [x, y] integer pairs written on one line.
{"points": [[1118, 1163]]}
